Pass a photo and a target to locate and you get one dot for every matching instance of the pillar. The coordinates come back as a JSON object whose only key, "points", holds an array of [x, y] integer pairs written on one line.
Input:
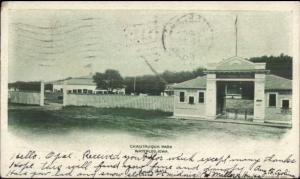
{"points": [[211, 98], [42, 95], [259, 98], [65, 93]]}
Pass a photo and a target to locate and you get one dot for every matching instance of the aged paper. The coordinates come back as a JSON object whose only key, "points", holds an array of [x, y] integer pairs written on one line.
{"points": [[149, 89]]}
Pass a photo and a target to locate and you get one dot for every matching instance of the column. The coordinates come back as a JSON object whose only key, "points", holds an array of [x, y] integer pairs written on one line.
{"points": [[259, 98], [65, 94], [211, 99], [42, 95]]}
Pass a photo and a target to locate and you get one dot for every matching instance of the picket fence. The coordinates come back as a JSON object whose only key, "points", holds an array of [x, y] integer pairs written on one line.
{"points": [[163, 103], [24, 97]]}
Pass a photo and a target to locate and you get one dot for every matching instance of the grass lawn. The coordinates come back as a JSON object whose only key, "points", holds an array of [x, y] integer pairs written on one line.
{"points": [[40, 121]]}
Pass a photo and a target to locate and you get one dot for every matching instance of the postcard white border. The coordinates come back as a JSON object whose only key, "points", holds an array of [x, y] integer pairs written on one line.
{"points": [[207, 6]]}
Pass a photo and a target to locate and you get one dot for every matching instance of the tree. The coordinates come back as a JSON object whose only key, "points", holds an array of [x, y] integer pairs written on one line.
{"points": [[109, 80], [152, 85], [278, 65], [99, 79], [113, 79], [26, 86], [199, 72]]}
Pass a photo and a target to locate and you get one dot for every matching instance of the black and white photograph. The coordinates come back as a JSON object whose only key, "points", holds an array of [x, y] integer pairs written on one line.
{"points": [[149, 89]]}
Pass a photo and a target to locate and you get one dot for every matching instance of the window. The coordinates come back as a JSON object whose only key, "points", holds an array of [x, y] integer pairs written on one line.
{"points": [[85, 90], [79, 91], [191, 100], [74, 91], [181, 97], [285, 104], [272, 100], [201, 97]]}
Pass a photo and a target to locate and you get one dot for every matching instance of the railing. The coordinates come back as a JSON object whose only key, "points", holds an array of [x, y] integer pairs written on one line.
{"points": [[238, 113]]}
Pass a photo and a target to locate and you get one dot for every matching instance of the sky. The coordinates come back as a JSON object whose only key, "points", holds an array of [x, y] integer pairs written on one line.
{"points": [[54, 44]]}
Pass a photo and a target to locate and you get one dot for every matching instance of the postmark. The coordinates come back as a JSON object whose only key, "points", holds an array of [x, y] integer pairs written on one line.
{"points": [[228, 119], [188, 36], [143, 38]]}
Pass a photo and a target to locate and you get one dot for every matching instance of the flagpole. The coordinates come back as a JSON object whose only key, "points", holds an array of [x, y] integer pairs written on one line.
{"points": [[236, 35]]}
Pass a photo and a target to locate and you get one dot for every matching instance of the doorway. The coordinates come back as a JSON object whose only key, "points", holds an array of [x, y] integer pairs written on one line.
{"points": [[235, 100]]}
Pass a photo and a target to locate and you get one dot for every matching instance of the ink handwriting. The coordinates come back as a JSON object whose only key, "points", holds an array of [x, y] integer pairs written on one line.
{"points": [[94, 164]]}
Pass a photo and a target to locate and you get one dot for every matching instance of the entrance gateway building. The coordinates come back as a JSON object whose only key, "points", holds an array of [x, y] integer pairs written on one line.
{"points": [[235, 88]]}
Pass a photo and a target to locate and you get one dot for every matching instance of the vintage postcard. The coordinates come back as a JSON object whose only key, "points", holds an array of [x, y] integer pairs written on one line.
{"points": [[150, 89]]}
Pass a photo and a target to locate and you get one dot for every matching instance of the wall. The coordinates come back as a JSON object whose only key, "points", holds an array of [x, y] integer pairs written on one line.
{"points": [[164, 103], [186, 109], [22, 97], [275, 113], [211, 92]]}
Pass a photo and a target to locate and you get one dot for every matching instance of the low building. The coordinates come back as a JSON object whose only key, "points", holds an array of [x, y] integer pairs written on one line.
{"points": [[169, 91], [235, 88], [83, 85]]}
